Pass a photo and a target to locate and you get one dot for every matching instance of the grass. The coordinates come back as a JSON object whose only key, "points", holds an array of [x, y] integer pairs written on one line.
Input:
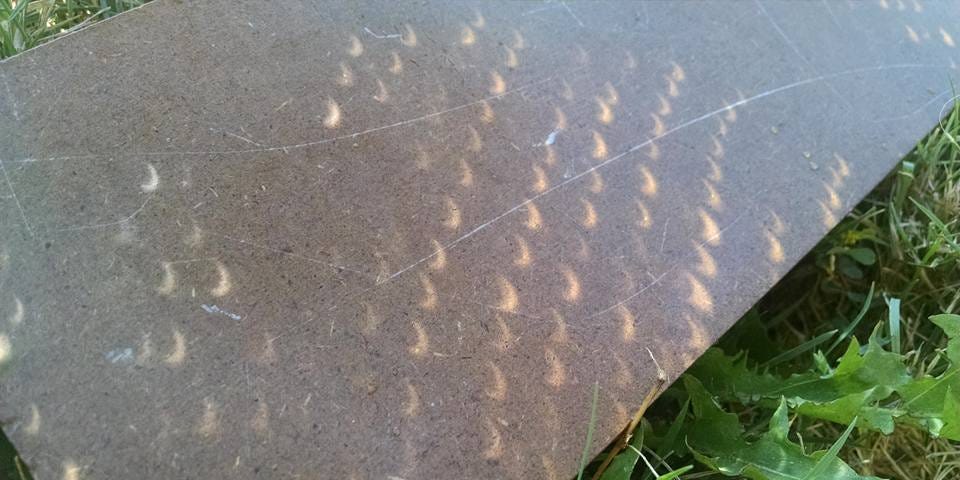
{"points": [[886, 273], [25, 24]]}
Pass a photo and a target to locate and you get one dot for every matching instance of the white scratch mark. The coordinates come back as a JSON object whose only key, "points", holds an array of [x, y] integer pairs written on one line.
{"points": [[918, 109], [13, 100], [551, 138], [548, 6], [108, 224], [796, 50], [574, 15], [780, 31], [290, 254], [16, 200], [215, 310], [120, 355], [663, 240], [833, 17], [381, 37], [239, 137]]}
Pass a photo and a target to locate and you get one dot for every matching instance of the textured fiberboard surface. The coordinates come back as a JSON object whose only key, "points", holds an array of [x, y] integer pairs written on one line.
{"points": [[312, 240]]}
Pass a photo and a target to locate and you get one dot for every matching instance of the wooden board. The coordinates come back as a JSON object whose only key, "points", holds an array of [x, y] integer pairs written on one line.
{"points": [[312, 240]]}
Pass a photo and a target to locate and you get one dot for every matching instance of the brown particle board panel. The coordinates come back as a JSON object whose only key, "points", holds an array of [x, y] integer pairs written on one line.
{"points": [[374, 240]]}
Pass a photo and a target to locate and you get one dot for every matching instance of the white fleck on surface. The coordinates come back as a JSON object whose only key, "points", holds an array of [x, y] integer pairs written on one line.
{"points": [[551, 138], [217, 310], [120, 355]]}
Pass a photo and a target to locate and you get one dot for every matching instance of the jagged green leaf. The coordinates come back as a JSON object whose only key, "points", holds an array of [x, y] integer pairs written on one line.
{"points": [[854, 389], [856, 405], [732, 379], [930, 401], [717, 440]]}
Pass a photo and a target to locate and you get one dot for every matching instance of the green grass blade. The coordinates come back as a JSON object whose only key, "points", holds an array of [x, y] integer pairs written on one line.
{"points": [[593, 423], [818, 470], [798, 350], [676, 473], [856, 321], [893, 317]]}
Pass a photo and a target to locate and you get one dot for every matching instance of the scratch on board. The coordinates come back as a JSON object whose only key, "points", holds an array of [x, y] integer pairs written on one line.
{"points": [[215, 310]]}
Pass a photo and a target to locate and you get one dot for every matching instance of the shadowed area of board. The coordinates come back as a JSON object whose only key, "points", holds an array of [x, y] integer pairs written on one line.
{"points": [[383, 241]]}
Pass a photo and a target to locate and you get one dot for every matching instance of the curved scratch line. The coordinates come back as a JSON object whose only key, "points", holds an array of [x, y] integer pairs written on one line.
{"points": [[918, 109], [290, 254], [108, 224], [368, 131], [708, 115]]}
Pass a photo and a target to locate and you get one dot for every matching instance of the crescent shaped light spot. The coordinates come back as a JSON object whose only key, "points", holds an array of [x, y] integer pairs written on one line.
{"points": [[478, 21], [495, 449], [605, 113], [454, 217], [509, 298], [333, 116], [33, 427], [523, 258], [382, 94], [511, 61], [467, 36], [356, 47], [486, 112], [153, 180], [711, 232], [5, 348], [518, 42], [411, 406], [498, 384], [599, 146], [700, 297], [540, 183], [430, 297], [572, 292], [224, 284], [497, 85], [169, 282], [534, 218], [179, 351], [17, 317], [409, 37], [346, 76], [466, 174], [396, 65], [422, 342], [556, 376], [440, 260]]}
